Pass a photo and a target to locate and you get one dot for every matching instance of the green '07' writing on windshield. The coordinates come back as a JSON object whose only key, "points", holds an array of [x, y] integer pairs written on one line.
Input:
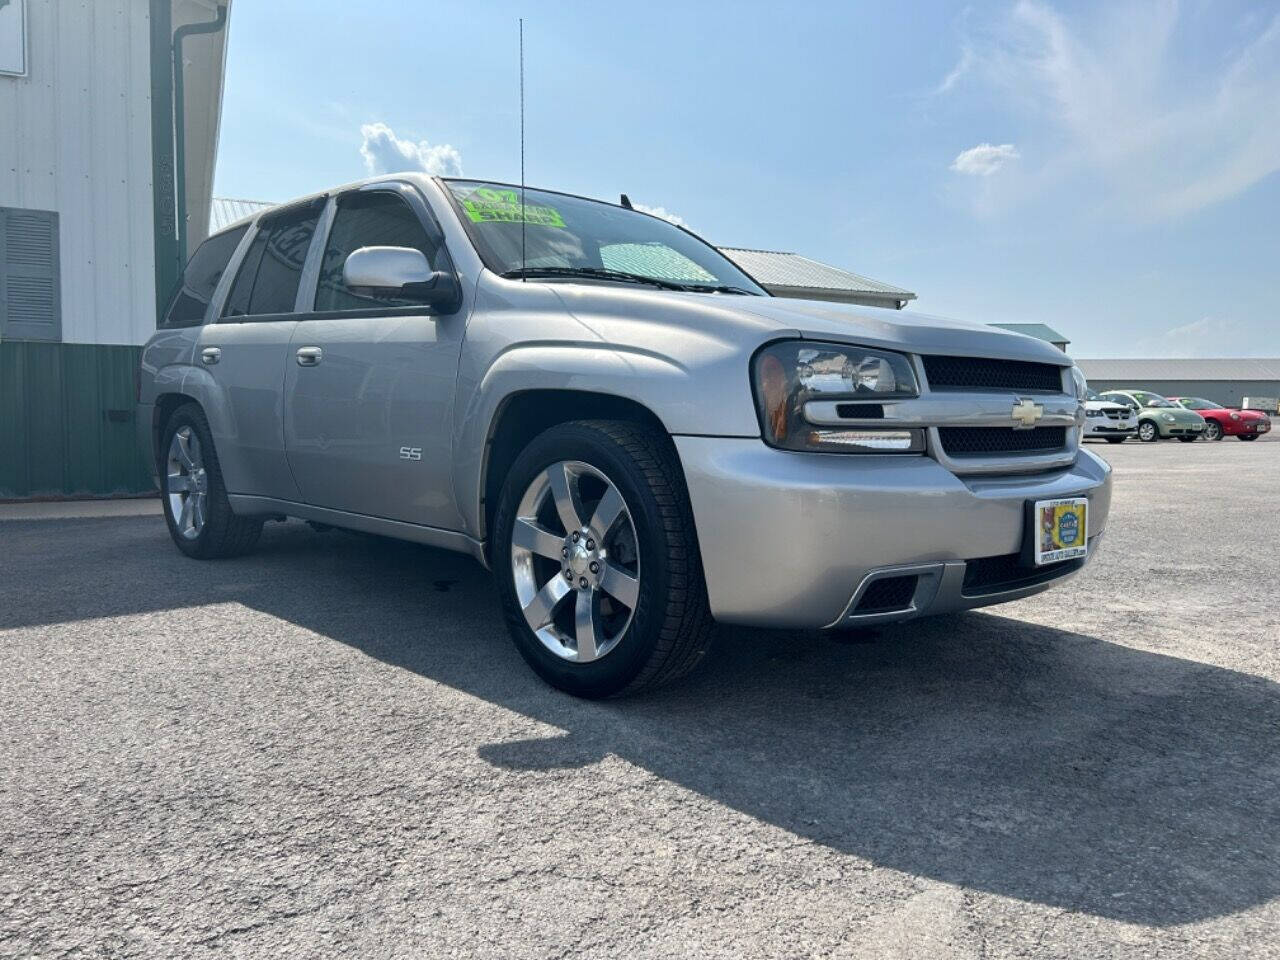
{"points": [[487, 205]]}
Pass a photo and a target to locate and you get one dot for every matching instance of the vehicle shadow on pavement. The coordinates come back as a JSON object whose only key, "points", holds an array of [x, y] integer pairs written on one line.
{"points": [[979, 750]]}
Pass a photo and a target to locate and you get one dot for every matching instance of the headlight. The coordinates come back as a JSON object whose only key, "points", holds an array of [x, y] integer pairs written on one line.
{"points": [[1168, 417], [790, 374], [1082, 385], [1093, 413]]}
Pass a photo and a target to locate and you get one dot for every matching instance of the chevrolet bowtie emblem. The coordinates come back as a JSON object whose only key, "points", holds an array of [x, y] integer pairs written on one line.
{"points": [[1026, 412]]}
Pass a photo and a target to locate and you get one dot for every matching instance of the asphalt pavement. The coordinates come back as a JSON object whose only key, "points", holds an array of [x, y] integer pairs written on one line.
{"points": [[331, 748]]}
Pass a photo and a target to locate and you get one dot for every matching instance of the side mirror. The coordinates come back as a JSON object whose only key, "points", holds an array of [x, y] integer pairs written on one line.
{"points": [[397, 272]]}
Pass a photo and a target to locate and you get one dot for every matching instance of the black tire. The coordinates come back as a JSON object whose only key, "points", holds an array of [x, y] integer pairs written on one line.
{"points": [[1148, 432], [671, 628], [1115, 439], [1248, 436], [1212, 430], [1188, 439], [223, 533]]}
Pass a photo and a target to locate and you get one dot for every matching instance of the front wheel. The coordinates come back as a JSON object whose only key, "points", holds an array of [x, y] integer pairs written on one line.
{"points": [[1213, 430], [597, 560], [1148, 432], [195, 501]]}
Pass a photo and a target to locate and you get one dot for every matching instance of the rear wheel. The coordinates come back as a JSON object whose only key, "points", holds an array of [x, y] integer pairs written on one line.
{"points": [[195, 501], [597, 560], [1148, 432], [1213, 430]]}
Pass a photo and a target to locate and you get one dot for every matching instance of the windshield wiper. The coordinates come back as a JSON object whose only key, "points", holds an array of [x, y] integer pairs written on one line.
{"points": [[720, 288], [594, 273]]}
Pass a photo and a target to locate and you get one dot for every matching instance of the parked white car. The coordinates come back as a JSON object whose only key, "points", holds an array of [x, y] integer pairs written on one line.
{"points": [[1105, 420]]}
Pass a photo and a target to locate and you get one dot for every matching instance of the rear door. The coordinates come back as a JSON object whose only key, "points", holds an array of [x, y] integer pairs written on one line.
{"points": [[370, 386], [245, 351]]}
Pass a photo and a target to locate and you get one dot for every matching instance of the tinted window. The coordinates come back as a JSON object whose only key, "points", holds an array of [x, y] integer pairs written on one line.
{"points": [[237, 304], [204, 270], [367, 220], [268, 278]]}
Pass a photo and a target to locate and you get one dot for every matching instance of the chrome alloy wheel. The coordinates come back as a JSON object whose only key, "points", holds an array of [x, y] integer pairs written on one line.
{"points": [[573, 537], [187, 483]]}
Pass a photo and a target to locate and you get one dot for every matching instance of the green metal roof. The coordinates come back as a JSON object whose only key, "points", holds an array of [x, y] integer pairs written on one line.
{"points": [[1038, 330]]}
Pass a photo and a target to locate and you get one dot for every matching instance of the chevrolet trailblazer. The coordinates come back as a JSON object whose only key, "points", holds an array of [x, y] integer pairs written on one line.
{"points": [[623, 425]]}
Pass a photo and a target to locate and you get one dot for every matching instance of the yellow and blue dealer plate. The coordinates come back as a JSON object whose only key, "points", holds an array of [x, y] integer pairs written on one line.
{"points": [[1061, 530]]}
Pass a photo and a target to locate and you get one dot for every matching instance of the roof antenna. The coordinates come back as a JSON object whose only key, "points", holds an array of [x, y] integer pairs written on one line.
{"points": [[523, 258], [626, 202]]}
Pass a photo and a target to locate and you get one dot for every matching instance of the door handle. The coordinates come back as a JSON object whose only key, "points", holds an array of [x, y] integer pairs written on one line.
{"points": [[210, 355], [309, 356]]}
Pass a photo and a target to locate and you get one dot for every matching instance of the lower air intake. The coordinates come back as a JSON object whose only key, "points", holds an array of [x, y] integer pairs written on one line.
{"points": [[887, 595]]}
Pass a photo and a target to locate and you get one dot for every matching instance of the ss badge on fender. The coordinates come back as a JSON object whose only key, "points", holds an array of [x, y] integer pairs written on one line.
{"points": [[410, 453]]}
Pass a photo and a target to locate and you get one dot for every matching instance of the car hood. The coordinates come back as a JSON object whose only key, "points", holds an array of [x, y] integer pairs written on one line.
{"points": [[1104, 405], [627, 314], [1180, 414], [899, 329]]}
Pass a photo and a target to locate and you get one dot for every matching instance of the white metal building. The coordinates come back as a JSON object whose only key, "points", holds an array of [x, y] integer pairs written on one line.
{"points": [[791, 275], [109, 113]]}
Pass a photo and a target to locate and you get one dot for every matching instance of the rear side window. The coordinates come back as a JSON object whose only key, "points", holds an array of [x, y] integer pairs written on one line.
{"points": [[195, 287], [374, 219], [268, 279]]}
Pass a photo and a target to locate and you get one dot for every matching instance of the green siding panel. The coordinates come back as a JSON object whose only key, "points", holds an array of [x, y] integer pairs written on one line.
{"points": [[67, 421]]}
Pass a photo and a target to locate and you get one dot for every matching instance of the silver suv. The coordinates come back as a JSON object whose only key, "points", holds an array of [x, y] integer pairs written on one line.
{"points": [[624, 426]]}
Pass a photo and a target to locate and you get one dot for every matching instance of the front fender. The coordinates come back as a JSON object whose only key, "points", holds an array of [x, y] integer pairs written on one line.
{"points": [[663, 386]]}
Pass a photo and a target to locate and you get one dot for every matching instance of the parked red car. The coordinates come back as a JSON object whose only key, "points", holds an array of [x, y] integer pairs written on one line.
{"points": [[1223, 421]]}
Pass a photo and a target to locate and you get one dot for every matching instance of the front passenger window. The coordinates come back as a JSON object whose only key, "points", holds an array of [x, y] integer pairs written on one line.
{"points": [[373, 219]]}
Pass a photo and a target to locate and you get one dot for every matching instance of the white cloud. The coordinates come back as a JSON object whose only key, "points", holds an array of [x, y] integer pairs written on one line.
{"points": [[384, 152], [1114, 98], [984, 159], [1206, 337], [958, 72], [1211, 336], [661, 212]]}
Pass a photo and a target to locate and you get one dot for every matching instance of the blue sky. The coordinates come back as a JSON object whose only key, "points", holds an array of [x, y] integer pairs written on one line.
{"points": [[1109, 169]]}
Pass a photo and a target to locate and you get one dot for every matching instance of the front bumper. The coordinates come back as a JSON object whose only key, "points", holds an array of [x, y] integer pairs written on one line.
{"points": [[794, 539], [1110, 428], [1179, 429], [1236, 428]]}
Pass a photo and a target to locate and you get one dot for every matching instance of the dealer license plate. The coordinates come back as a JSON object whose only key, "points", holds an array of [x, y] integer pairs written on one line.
{"points": [[1058, 530]]}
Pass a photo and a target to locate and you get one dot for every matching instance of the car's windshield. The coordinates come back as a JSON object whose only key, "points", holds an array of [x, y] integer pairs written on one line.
{"points": [[1151, 399], [1196, 403], [571, 236], [1092, 394]]}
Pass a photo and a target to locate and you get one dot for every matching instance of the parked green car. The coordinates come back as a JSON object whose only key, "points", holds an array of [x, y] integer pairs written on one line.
{"points": [[1158, 417]]}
